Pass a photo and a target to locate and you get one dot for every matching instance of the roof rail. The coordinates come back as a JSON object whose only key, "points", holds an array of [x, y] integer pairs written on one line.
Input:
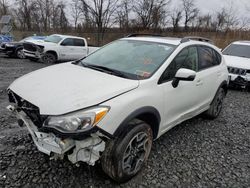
{"points": [[143, 34], [202, 39]]}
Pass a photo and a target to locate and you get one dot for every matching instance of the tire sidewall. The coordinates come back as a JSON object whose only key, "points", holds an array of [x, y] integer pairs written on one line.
{"points": [[46, 55], [121, 145], [211, 113]]}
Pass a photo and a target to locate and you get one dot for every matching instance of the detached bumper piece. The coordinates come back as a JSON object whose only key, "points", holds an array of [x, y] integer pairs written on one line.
{"points": [[86, 150]]}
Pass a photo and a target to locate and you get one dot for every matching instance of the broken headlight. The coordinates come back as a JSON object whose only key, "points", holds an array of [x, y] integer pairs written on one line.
{"points": [[77, 121]]}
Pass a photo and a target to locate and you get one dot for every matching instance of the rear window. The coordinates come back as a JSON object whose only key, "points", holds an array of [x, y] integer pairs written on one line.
{"points": [[79, 42], [237, 50]]}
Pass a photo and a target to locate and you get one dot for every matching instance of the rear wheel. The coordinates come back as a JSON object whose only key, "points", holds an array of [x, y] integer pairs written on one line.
{"points": [[124, 157], [216, 106], [49, 58]]}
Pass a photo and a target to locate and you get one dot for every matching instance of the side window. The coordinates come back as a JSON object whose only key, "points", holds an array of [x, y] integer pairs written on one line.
{"points": [[187, 58], [208, 57], [217, 57], [79, 42], [68, 42]]}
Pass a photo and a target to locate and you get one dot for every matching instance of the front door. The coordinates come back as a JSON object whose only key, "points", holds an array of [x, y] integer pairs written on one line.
{"points": [[180, 102]]}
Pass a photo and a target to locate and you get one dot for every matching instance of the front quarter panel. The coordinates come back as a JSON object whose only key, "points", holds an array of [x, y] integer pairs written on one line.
{"points": [[123, 105]]}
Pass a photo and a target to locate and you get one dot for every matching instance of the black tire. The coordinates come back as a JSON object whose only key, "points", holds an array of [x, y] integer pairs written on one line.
{"points": [[49, 58], [124, 156], [19, 53], [216, 106]]}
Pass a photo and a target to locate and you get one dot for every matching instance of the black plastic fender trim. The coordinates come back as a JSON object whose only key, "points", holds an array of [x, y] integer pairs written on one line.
{"points": [[147, 109]]}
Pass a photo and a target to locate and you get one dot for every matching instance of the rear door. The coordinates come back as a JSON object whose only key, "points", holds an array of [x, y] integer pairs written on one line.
{"points": [[209, 73], [80, 48]]}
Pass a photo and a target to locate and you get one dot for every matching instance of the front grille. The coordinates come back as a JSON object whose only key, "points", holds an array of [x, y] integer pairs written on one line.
{"points": [[29, 47], [29, 109], [237, 71]]}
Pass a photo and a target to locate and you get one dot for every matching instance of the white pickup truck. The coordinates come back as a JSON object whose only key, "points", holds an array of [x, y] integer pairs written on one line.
{"points": [[58, 48]]}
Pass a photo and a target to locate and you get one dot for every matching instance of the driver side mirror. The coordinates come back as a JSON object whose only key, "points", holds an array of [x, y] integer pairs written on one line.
{"points": [[183, 75]]}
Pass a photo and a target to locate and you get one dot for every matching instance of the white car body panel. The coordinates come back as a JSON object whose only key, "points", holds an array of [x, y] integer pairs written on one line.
{"points": [[66, 87], [176, 107], [239, 62], [242, 63], [64, 53]]}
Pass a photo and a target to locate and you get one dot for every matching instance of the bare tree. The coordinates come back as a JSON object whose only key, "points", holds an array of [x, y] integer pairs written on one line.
{"points": [[226, 19], [150, 12], [62, 16], [176, 17], [45, 8], [23, 13], [190, 12], [100, 12], [204, 22], [4, 7], [76, 11], [123, 11]]}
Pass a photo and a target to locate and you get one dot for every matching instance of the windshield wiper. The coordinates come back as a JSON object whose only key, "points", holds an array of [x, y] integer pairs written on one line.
{"points": [[105, 69]]}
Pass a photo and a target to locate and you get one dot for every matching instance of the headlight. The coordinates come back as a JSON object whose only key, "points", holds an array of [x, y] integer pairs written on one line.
{"points": [[78, 121]]}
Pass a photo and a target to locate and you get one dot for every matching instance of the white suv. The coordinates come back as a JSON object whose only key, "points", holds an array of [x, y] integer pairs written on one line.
{"points": [[237, 57], [112, 104]]}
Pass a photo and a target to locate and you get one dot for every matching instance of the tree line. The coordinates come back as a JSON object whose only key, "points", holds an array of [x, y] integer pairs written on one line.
{"points": [[126, 15]]}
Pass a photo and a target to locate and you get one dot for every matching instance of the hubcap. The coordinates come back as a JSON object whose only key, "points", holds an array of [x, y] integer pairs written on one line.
{"points": [[135, 153], [20, 54], [48, 59]]}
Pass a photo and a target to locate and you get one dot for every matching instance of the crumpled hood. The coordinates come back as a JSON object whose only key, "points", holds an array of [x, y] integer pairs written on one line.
{"points": [[43, 43], [237, 62], [64, 88]]}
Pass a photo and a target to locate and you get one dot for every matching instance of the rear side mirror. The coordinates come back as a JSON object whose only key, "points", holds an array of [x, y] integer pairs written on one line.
{"points": [[183, 75]]}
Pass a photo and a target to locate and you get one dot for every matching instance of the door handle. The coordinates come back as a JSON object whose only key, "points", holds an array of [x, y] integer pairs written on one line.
{"points": [[219, 73], [199, 82]]}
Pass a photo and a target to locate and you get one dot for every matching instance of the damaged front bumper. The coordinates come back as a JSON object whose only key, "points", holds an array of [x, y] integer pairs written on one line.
{"points": [[240, 81], [87, 150]]}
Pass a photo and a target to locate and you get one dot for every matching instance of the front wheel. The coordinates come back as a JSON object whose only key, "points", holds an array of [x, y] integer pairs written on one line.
{"points": [[49, 58], [124, 157], [216, 106], [20, 54]]}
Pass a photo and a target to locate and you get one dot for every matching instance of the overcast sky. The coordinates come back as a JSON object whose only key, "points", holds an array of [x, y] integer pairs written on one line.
{"points": [[213, 5], [205, 6]]}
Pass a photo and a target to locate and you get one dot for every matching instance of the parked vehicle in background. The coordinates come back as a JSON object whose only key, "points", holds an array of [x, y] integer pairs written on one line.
{"points": [[58, 48], [15, 49], [113, 103], [5, 38], [237, 56]]}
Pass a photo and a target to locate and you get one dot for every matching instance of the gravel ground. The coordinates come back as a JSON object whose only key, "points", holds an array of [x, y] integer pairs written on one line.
{"points": [[197, 153]]}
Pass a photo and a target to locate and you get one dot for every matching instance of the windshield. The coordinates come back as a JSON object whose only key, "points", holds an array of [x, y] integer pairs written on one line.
{"points": [[53, 38], [136, 59], [237, 50]]}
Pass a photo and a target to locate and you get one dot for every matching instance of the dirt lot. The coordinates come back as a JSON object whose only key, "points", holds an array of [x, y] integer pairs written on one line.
{"points": [[197, 153]]}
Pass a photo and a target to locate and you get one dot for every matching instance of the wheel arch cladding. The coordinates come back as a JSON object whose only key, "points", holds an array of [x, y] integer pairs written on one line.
{"points": [[224, 86], [148, 114]]}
